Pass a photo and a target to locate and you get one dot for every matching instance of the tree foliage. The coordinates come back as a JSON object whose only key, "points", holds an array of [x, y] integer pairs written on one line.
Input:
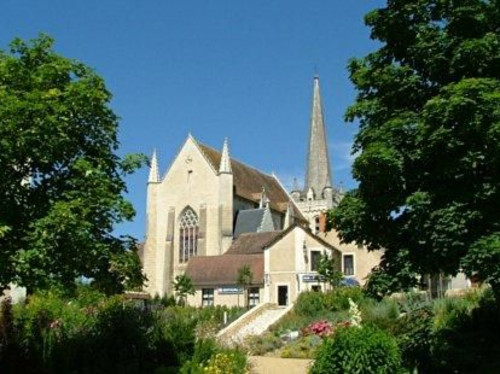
{"points": [[61, 181], [327, 269], [428, 146], [244, 278], [183, 286]]}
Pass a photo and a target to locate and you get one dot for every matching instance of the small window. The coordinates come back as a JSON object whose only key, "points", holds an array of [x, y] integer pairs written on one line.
{"points": [[253, 296], [348, 264], [207, 296], [316, 288], [317, 226], [315, 258]]}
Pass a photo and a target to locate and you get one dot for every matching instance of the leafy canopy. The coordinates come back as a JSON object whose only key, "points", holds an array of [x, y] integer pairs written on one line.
{"points": [[244, 278], [61, 181], [428, 146], [183, 286], [329, 271]]}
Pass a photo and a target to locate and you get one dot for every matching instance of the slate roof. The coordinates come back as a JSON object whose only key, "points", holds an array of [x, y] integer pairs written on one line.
{"points": [[248, 221], [223, 270], [253, 243], [253, 220], [248, 182]]}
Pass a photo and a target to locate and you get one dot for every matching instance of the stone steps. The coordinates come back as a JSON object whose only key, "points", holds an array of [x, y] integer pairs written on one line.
{"points": [[254, 322]]}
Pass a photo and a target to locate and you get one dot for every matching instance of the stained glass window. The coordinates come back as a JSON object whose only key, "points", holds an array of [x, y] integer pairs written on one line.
{"points": [[188, 235]]}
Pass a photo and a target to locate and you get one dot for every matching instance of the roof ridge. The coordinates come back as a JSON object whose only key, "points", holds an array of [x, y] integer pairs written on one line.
{"points": [[261, 233], [198, 144], [236, 160], [290, 199]]}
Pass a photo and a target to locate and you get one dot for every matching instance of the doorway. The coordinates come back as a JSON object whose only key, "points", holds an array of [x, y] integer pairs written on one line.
{"points": [[282, 295]]}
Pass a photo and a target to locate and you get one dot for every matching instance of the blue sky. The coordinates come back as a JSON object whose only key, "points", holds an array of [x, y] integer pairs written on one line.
{"points": [[215, 68]]}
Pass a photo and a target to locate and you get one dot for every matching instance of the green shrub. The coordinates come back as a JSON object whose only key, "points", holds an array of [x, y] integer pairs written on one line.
{"points": [[358, 350], [227, 362], [338, 299], [383, 314], [310, 304], [415, 337], [259, 344], [203, 350], [305, 347], [466, 338], [86, 332]]}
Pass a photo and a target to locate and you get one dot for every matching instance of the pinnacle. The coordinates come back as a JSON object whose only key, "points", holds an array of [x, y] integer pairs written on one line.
{"points": [[225, 161], [154, 175]]}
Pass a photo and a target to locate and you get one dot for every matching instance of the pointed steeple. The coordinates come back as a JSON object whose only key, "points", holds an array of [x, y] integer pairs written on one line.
{"points": [[318, 175], [225, 161], [154, 175]]}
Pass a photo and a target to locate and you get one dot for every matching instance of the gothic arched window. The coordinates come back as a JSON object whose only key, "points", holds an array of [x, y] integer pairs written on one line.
{"points": [[188, 235]]}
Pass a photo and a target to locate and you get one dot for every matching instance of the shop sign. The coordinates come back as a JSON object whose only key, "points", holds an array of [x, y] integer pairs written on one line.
{"points": [[230, 290], [309, 278]]}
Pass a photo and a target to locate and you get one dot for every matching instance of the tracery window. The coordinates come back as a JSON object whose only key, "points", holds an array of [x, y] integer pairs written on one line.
{"points": [[188, 235]]}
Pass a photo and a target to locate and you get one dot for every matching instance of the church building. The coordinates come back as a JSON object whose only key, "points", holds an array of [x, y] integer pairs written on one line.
{"points": [[243, 217]]}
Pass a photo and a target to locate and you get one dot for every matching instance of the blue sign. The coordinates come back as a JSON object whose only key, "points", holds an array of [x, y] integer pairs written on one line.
{"points": [[230, 290], [309, 278]]}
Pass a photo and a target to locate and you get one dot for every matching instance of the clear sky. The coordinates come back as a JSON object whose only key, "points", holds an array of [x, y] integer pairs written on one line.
{"points": [[215, 68]]}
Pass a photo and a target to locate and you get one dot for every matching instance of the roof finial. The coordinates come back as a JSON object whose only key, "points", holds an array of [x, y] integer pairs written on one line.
{"points": [[154, 175], [225, 161], [264, 200]]}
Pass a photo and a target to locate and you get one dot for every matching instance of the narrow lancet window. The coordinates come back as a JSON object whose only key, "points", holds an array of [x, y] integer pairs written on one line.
{"points": [[188, 235]]}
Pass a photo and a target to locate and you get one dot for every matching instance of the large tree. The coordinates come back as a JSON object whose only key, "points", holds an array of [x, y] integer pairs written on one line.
{"points": [[61, 181], [428, 146]]}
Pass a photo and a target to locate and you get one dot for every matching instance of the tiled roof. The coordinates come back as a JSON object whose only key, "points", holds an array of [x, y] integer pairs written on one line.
{"points": [[248, 182], [252, 243], [223, 270]]}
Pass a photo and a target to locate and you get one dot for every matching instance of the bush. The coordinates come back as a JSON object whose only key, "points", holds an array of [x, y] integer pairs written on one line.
{"points": [[259, 344], [228, 362], [338, 299], [87, 332], [304, 347], [466, 337], [358, 350], [414, 332], [319, 328], [310, 304], [383, 314]]}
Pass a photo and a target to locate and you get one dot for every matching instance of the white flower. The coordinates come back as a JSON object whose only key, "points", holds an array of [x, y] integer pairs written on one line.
{"points": [[354, 314]]}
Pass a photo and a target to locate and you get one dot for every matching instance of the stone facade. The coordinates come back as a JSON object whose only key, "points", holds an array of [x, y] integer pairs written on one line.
{"points": [[184, 220], [195, 208], [289, 267], [169, 198]]}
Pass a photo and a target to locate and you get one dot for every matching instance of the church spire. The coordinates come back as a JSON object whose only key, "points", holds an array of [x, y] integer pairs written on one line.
{"points": [[154, 175], [225, 161], [318, 174]]}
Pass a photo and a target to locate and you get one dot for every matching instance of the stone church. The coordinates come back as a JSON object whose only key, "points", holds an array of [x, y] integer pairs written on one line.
{"points": [[244, 217]]}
